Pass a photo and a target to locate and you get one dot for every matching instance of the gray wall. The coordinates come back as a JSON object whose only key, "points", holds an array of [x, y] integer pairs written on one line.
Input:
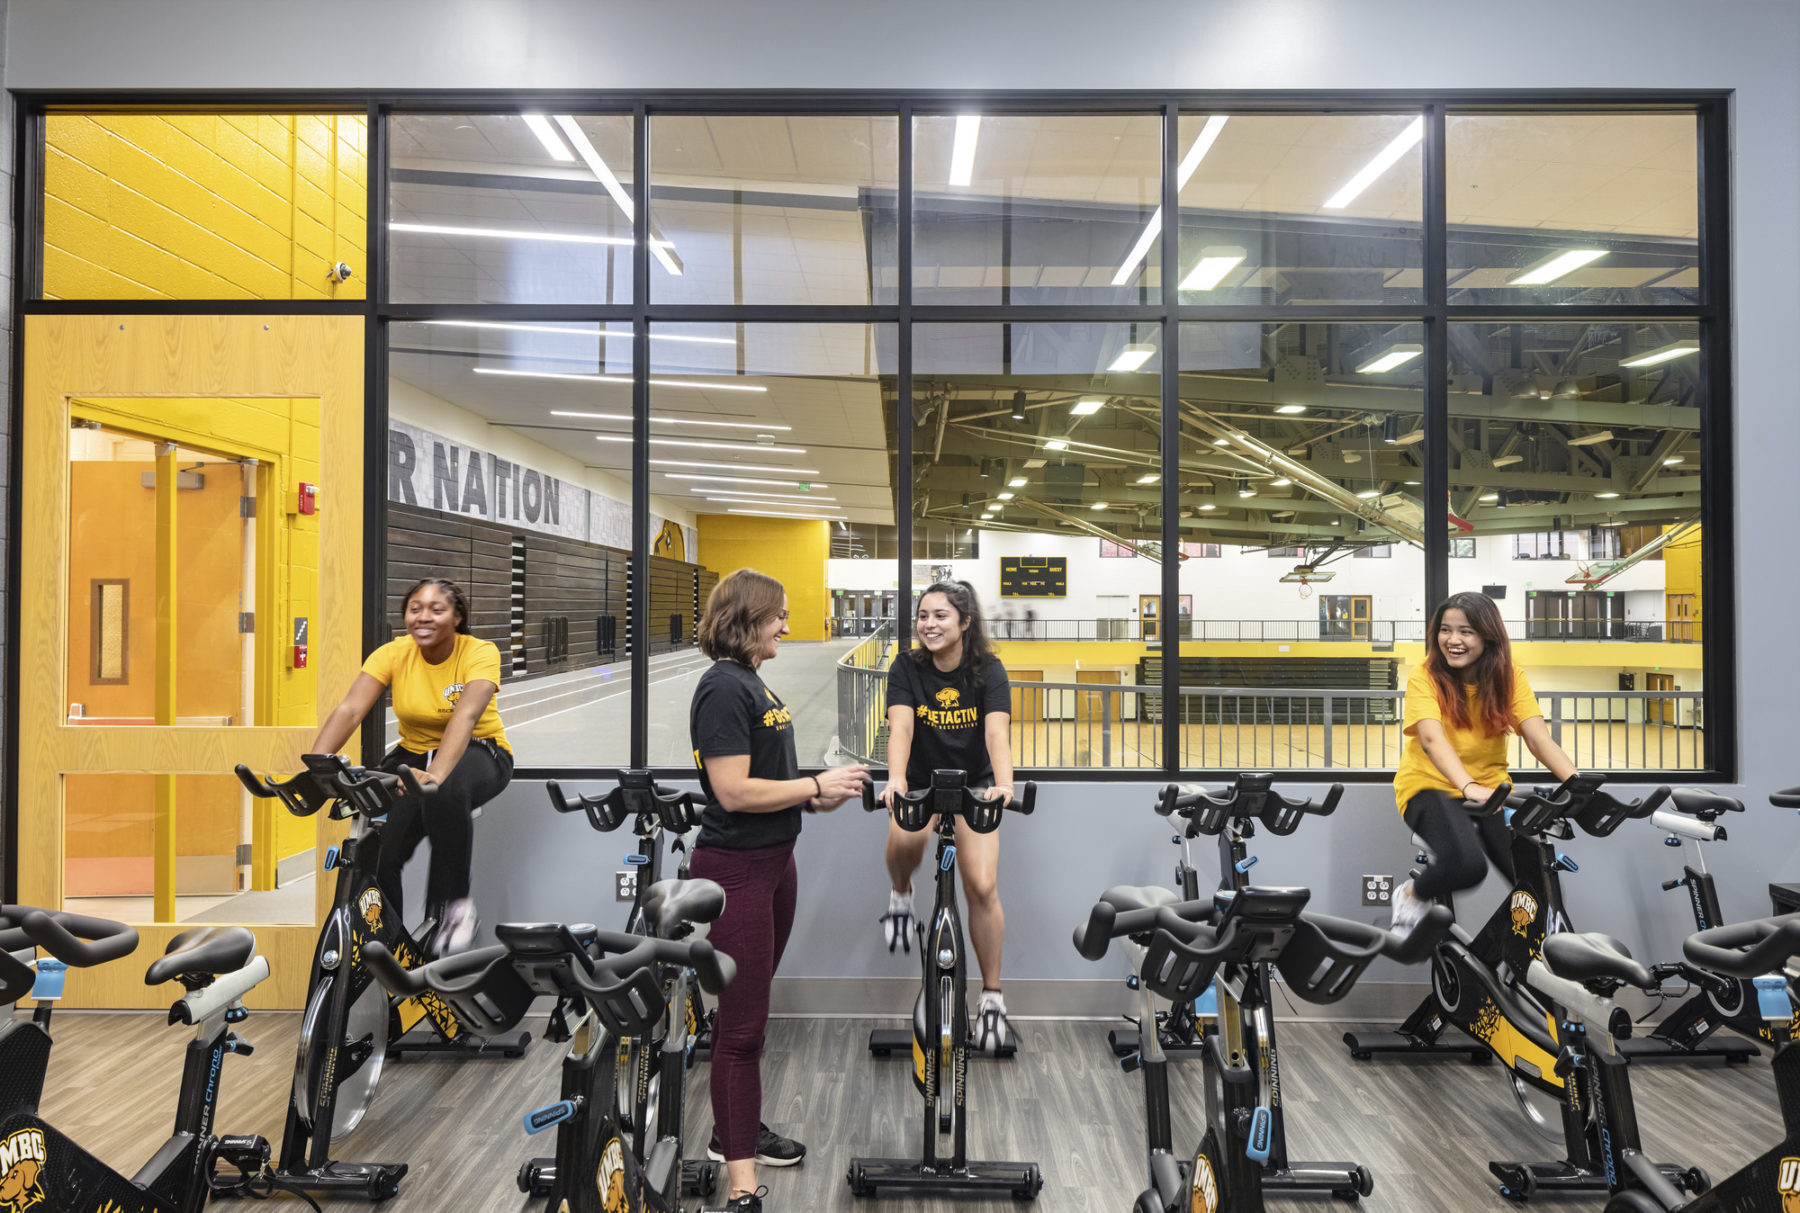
{"points": [[1086, 837]]}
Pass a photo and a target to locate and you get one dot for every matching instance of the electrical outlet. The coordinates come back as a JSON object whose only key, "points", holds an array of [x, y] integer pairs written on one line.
{"points": [[1377, 890], [625, 885]]}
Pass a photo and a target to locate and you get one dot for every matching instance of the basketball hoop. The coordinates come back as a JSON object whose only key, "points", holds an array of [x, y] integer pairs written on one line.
{"points": [[1305, 590]]}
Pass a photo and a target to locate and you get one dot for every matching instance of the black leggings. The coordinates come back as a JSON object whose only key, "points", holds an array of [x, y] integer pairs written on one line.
{"points": [[447, 817], [1456, 842]]}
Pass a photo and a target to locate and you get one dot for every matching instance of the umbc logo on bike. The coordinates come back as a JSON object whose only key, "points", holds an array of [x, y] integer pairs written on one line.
{"points": [[369, 906], [1524, 911], [1206, 1186], [610, 1178], [22, 1158], [1787, 1184]]}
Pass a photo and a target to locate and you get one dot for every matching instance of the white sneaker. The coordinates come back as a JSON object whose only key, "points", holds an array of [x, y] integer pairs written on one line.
{"points": [[899, 924], [992, 1031], [1409, 909]]}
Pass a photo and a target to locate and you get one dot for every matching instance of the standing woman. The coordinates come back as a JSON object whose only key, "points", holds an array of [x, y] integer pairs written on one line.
{"points": [[444, 682], [744, 745], [1461, 702], [950, 707]]}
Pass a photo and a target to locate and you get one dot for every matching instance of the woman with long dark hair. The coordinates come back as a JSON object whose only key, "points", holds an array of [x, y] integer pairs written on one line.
{"points": [[1461, 702], [949, 705], [743, 737], [445, 682]]}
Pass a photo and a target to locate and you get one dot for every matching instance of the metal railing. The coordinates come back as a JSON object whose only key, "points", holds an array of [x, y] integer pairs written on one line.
{"points": [[1376, 631], [1098, 726], [862, 697]]}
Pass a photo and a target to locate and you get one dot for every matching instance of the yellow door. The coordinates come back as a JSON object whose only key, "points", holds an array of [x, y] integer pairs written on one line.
{"points": [[1027, 702], [161, 458], [1096, 706], [1359, 618], [1147, 606], [1659, 711]]}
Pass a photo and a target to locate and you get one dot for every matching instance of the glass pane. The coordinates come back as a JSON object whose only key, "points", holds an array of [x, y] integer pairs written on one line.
{"points": [[1577, 448], [493, 481], [113, 674], [1573, 208], [1014, 208], [1034, 438], [1300, 446], [205, 206], [510, 208], [772, 441], [109, 844], [1301, 208], [774, 209]]}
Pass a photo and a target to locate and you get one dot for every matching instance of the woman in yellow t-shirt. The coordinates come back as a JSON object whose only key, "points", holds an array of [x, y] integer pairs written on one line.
{"points": [[1461, 702], [444, 682]]}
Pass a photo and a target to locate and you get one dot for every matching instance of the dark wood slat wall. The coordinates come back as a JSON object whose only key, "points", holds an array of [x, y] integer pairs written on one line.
{"points": [[707, 579], [570, 579]]}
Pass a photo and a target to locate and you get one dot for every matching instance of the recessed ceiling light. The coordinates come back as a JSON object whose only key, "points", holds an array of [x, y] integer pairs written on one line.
{"points": [[761, 448], [817, 484], [1675, 349], [1032, 463], [664, 419], [1290, 410], [708, 489], [1132, 357], [1100, 505], [1209, 507], [1215, 262], [1563, 263], [1385, 159], [1056, 444], [497, 233], [1004, 496], [765, 504], [1153, 478], [731, 467], [540, 126], [1017, 482], [603, 334], [706, 386], [1195, 154], [962, 152], [1393, 356], [1084, 408]]}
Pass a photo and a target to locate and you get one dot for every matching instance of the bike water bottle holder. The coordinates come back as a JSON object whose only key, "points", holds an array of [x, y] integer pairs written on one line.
{"points": [[983, 816], [492, 997], [1178, 971], [1317, 968], [634, 1006], [912, 817]]}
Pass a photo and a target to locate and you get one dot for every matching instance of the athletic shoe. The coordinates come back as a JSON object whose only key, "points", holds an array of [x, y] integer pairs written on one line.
{"points": [[898, 924], [749, 1202], [457, 932], [772, 1150], [992, 1031], [1409, 909]]}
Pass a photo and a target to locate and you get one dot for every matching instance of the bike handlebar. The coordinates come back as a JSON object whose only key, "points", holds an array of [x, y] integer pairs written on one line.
{"points": [[1250, 796], [74, 939], [330, 779], [1787, 798], [949, 795], [1746, 949], [1581, 798], [636, 792]]}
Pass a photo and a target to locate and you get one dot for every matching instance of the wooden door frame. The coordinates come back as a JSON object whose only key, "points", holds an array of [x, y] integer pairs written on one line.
{"points": [[180, 357]]}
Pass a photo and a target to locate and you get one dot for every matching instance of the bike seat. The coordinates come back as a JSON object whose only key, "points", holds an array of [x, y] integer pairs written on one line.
{"points": [[1141, 897], [1698, 802], [673, 903], [1590, 956], [196, 957]]}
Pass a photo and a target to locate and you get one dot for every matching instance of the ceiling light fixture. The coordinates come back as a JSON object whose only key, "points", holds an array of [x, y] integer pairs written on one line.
{"points": [[1017, 482], [1101, 505], [1563, 263], [1221, 442], [1004, 496], [1366, 494], [540, 126], [1086, 408], [772, 505], [730, 467], [604, 334], [1183, 173], [962, 153], [1282, 483], [785, 484], [1132, 357], [1606, 496], [1385, 159], [666, 420], [705, 385], [757, 448], [1667, 353], [1152, 478], [1408, 439], [1208, 506], [1506, 461], [499, 233], [1018, 406], [795, 517], [1056, 444], [1393, 356], [704, 489], [1291, 410], [591, 157], [1490, 497], [1671, 462], [1598, 436], [1215, 262], [1246, 492]]}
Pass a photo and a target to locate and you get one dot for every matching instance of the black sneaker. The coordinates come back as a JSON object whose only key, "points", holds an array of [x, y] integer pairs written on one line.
{"points": [[772, 1150], [749, 1202]]}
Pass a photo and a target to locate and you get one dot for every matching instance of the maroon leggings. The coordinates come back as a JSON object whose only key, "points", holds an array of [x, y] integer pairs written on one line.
{"points": [[753, 930]]}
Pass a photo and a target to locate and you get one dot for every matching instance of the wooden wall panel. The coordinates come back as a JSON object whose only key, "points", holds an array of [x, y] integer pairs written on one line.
{"points": [[671, 604]]}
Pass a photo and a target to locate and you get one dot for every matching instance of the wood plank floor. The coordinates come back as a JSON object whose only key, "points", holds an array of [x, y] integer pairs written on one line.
{"points": [[1426, 1129]]}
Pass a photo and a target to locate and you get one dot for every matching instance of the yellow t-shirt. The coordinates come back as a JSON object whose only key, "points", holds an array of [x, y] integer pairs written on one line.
{"points": [[1483, 756], [425, 695]]}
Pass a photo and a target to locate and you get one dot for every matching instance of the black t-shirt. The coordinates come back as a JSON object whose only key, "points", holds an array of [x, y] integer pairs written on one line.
{"points": [[947, 720], [734, 713]]}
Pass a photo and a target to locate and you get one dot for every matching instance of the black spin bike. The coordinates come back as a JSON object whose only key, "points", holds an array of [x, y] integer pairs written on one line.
{"points": [[351, 1024], [609, 987], [940, 1033]]}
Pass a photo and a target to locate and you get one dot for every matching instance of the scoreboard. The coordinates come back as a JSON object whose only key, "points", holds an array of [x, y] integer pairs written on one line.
{"points": [[1034, 577]]}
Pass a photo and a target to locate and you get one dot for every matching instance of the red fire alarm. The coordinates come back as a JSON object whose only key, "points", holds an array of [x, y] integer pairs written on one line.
{"points": [[308, 498], [299, 649]]}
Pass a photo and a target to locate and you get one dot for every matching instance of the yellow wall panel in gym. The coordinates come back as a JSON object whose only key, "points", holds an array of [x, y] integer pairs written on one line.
{"points": [[792, 551], [205, 206]]}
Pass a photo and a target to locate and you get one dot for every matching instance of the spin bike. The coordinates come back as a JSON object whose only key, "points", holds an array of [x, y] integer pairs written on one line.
{"points": [[655, 811], [1179, 949], [351, 1025], [609, 987], [1685, 1032], [939, 1036], [1231, 815], [1580, 973], [40, 1166]]}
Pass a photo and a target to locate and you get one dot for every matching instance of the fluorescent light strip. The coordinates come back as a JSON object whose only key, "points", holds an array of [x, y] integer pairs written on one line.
{"points": [[1557, 266], [1189, 162], [1211, 269], [585, 148], [742, 499], [707, 385], [962, 154], [540, 126], [734, 425], [722, 492], [796, 517], [605, 334], [1132, 357], [1087, 408], [730, 467], [1678, 349], [738, 479], [497, 233], [1395, 355], [709, 446], [1383, 161], [1291, 410]]}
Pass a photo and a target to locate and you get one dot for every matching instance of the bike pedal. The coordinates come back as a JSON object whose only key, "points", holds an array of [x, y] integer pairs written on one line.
{"points": [[1262, 1123], [550, 1115]]}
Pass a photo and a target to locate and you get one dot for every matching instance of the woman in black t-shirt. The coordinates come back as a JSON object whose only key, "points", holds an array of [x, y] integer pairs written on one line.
{"points": [[743, 737], [950, 707]]}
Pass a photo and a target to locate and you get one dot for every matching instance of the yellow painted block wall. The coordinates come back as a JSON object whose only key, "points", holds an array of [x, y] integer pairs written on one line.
{"points": [[793, 551], [204, 206], [1681, 575]]}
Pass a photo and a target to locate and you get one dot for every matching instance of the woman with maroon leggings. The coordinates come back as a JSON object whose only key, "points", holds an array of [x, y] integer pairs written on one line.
{"points": [[744, 745]]}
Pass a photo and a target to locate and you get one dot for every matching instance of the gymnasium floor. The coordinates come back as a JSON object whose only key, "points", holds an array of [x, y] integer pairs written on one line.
{"points": [[1426, 1130]]}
